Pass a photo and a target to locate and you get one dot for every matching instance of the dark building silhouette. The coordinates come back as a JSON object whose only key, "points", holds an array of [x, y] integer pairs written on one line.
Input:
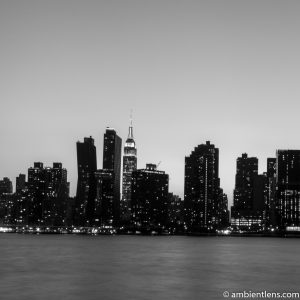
{"points": [[288, 188], [36, 194], [86, 184], [150, 198], [20, 183], [202, 189], [271, 167], [45, 198], [246, 170], [250, 191], [21, 207], [271, 210], [6, 200], [260, 186], [129, 165], [175, 213], [112, 163], [5, 186], [57, 194], [104, 207], [222, 211]]}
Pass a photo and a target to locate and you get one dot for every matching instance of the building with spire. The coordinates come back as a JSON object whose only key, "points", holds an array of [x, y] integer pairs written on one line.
{"points": [[129, 165]]}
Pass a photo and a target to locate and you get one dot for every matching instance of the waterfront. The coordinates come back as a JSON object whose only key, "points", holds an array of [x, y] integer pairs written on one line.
{"points": [[144, 267]]}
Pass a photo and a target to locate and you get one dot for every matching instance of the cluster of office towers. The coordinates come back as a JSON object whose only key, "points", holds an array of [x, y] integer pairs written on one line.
{"points": [[145, 201], [270, 200], [41, 200], [261, 202]]}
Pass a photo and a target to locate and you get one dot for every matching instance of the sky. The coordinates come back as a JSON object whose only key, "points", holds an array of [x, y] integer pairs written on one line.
{"points": [[191, 71]]}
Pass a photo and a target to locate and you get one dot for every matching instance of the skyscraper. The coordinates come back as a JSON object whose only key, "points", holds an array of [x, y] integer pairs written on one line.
{"points": [[248, 201], [112, 164], [6, 200], [202, 189], [271, 213], [129, 165], [20, 183], [56, 195], [5, 186], [288, 188], [246, 170], [86, 184], [36, 194], [104, 207], [46, 197], [150, 198], [175, 212]]}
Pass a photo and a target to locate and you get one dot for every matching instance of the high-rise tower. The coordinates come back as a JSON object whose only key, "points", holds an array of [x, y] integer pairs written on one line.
{"points": [[249, 195], [112, 163], [86, 185], [129, 165], [202, 189], [150, 196], [246, 171], [288, 188]]}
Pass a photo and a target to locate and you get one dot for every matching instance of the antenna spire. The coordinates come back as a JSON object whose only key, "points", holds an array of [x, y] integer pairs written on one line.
{"points": [[130, 134]]}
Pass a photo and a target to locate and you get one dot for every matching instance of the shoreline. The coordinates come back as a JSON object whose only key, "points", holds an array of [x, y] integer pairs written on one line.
{"points": [[112, 231]]}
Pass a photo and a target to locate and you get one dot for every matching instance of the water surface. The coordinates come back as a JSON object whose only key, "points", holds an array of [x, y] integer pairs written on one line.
{"points": [[144, 267]]}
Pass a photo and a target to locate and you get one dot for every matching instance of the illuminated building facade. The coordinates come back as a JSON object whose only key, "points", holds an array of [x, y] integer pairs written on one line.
{"points": [[271, 213], [104, 206], [129, 165], [246, 171], [46, 196], [20, 183], [112, 164], [175, 211], [244, 216], [150, 198], [86, 184], [202, 189], [56, 195], [288, 187], [6, 186]]}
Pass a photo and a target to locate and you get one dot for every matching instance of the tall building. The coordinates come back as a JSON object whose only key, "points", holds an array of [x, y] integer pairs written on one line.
{"points": [[246, 170], [175, 213], [6, 186], [20, 183], [150, 198], [104, 207], [112, 163], [36, 194], [129, 165], [56, 195], [248, 202], [202, 189], [288, 188], [6, 200], [45, 197], [223, 212], [271, 211], [86, 184]]}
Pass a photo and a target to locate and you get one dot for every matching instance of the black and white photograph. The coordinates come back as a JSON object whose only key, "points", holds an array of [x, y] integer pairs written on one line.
{"points": [[150, 149]]}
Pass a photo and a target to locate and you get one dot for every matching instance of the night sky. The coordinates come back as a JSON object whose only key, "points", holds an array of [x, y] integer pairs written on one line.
{"points": [[191, 71]]}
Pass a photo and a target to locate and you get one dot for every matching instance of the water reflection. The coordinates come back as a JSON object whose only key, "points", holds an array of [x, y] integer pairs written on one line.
{"points": [[138, 267]]}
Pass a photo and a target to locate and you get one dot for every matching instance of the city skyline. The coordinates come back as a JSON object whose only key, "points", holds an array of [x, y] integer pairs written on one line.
{"points": [[226, 72]]}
